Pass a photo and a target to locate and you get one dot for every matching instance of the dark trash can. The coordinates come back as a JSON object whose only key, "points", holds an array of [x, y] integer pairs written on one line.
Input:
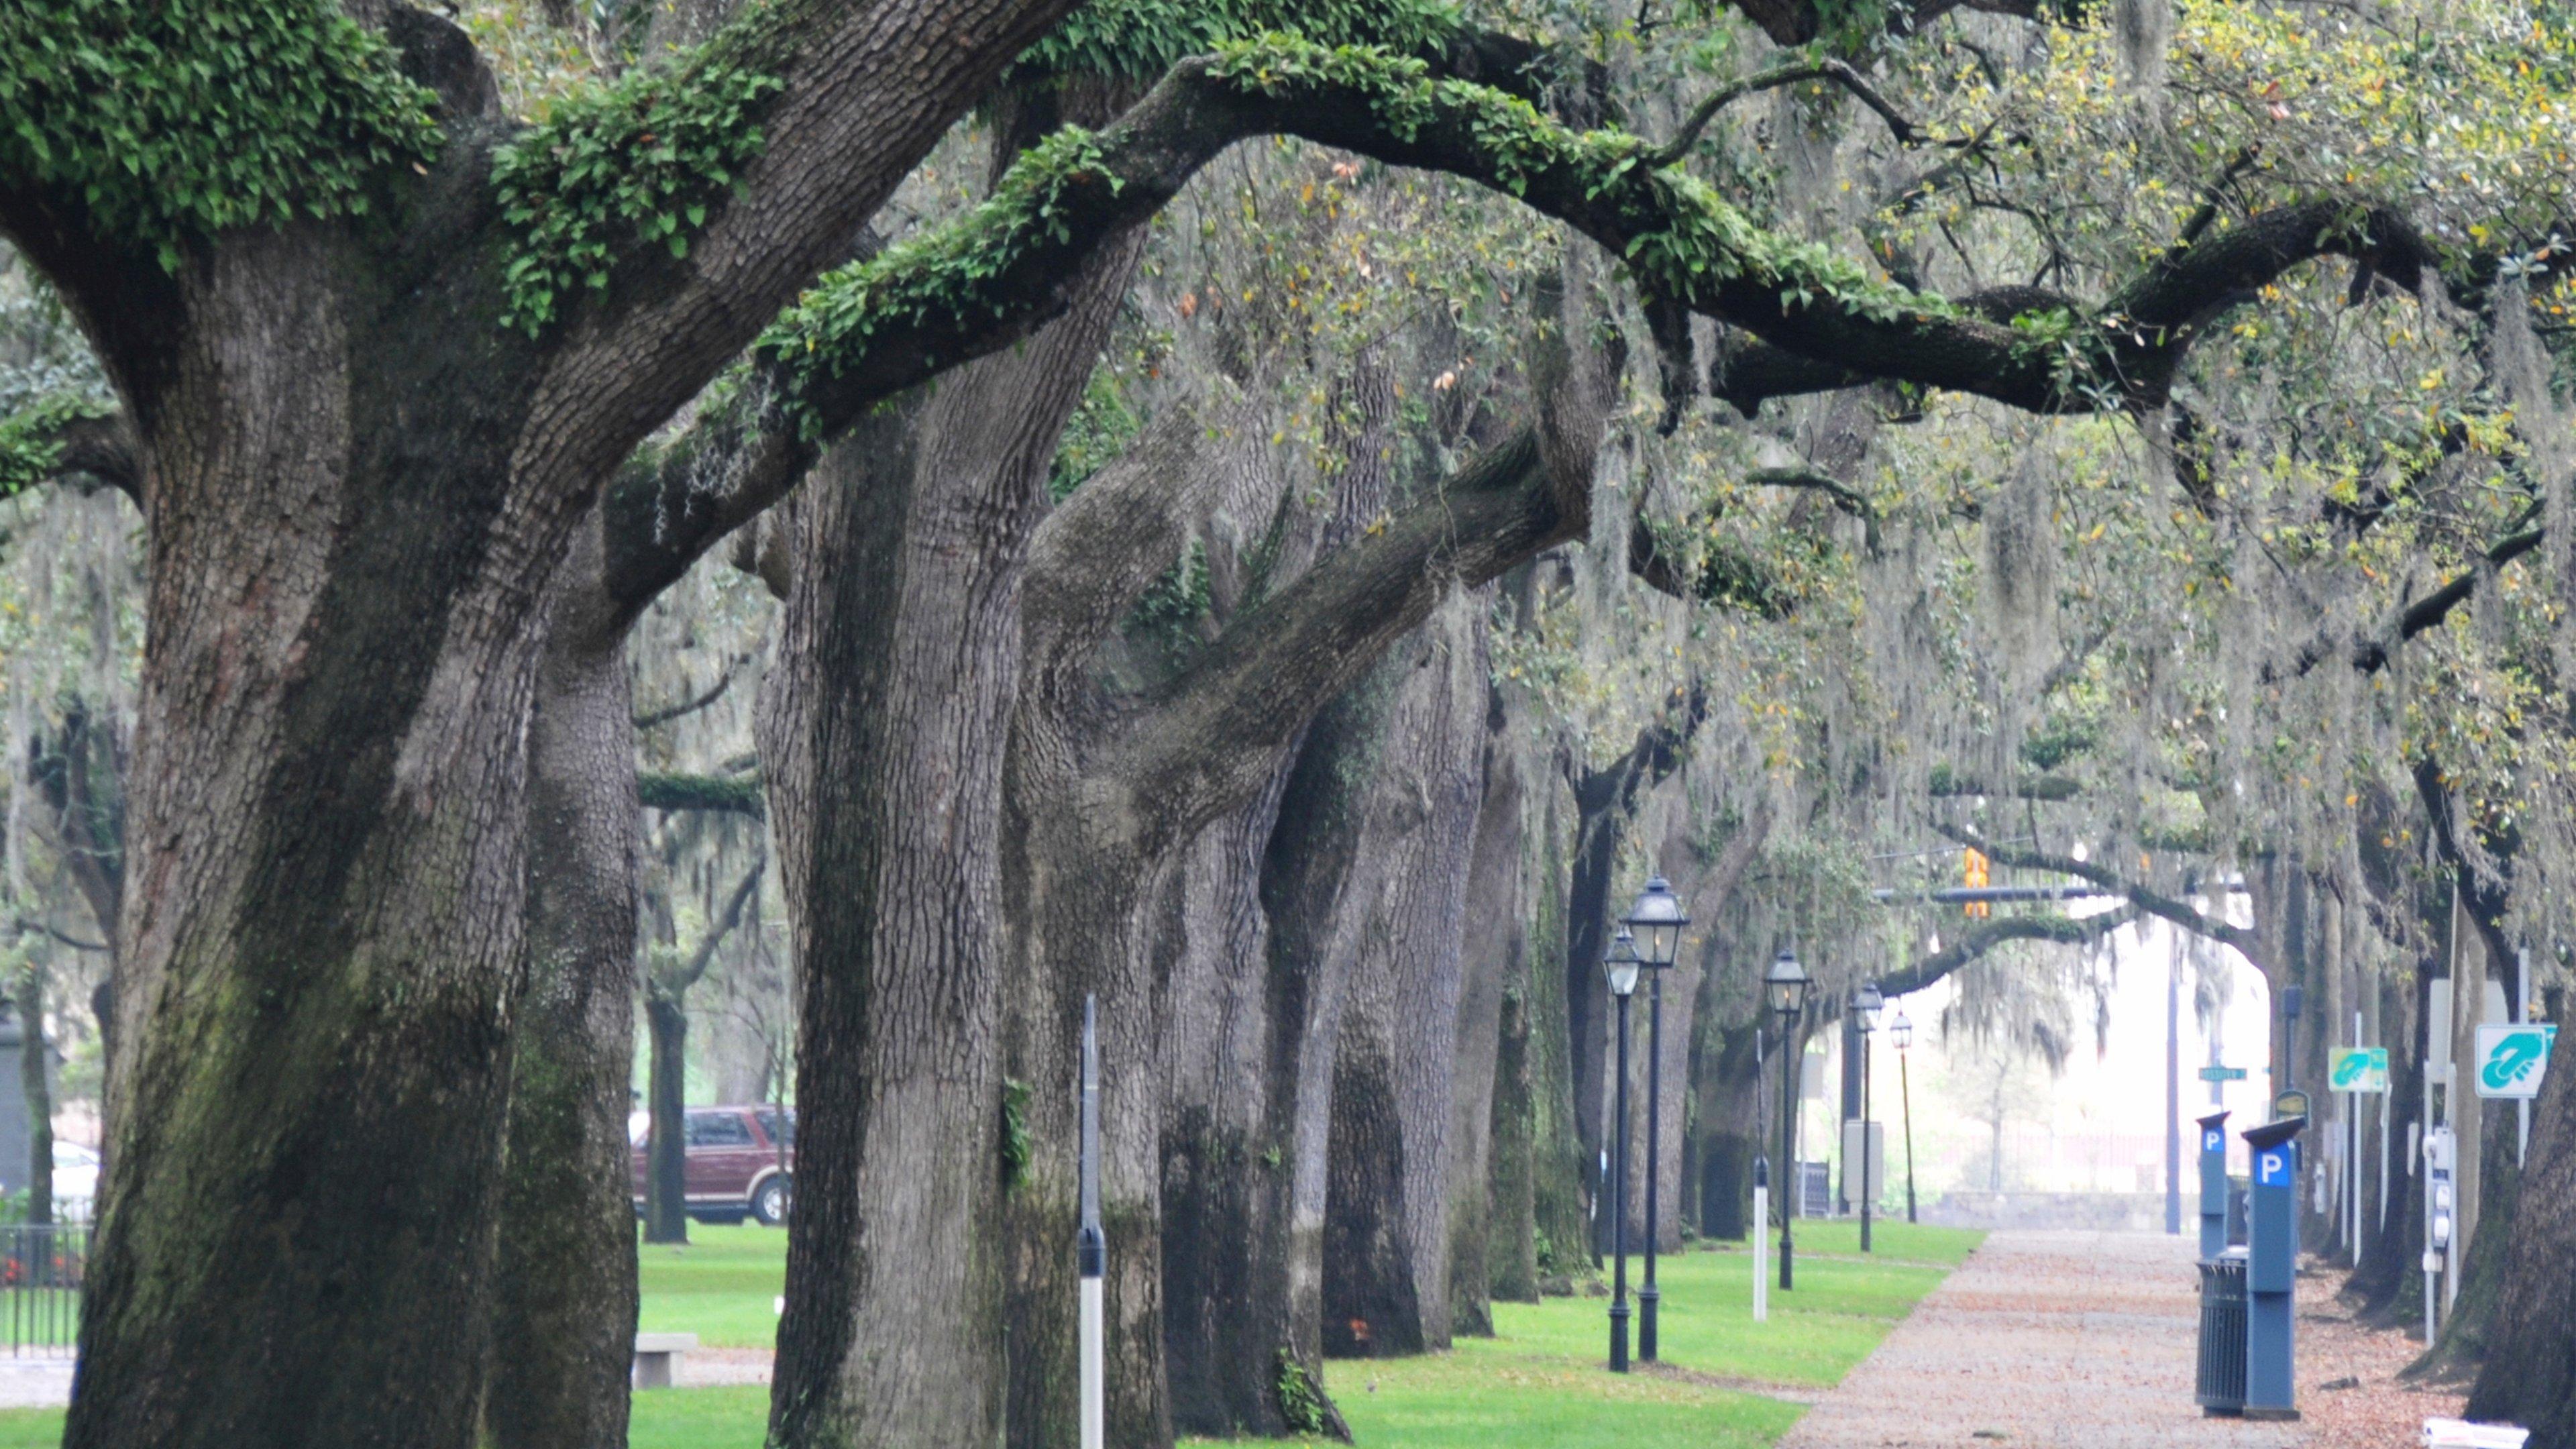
{"points": [[2222, 1335]]}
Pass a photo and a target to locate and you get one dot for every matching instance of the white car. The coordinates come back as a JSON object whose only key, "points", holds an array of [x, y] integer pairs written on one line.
{"points": [[75, 1182]]}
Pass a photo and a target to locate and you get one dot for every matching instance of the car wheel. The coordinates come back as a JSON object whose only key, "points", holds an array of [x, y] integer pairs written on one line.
{"points": [[769, 1201]]}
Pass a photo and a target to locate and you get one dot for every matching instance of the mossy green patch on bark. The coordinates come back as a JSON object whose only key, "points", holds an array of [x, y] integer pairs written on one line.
{"points": [[172, 120], [636, 161]]}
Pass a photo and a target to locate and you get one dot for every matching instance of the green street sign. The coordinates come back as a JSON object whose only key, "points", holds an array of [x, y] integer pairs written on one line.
{"points": [[2222, 1074], [2358, 1069], [2511, 1059]]}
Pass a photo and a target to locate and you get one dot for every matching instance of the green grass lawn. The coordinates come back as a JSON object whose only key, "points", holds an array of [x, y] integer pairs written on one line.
{"points": [[1538, 1382], [664, 1419], [723, 1286]]}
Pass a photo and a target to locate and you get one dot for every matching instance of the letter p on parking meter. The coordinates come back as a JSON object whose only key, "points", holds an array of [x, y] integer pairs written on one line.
{"points": [[2271, 1271], [2213, 1185]]}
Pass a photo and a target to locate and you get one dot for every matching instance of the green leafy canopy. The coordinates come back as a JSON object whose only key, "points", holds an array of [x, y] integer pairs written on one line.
{"points": [[640, 159], [173, 119]]}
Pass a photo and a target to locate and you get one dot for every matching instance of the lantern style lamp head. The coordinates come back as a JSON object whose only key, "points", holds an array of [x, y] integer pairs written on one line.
{"points": [[1866, 1003], [1785, 984], [1622, 963], [1656, 921], [1900, 1029]]}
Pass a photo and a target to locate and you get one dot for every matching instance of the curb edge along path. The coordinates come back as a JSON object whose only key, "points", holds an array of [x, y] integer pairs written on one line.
{"points": [[2040, 1338]]}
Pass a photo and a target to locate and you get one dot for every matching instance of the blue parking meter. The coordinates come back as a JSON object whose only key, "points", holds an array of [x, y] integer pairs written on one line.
{"points": [[2271, 1270], [2213, 1185]]}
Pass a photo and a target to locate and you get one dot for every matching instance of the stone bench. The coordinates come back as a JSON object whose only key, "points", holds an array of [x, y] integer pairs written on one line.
{"points": [[657, 1355]]}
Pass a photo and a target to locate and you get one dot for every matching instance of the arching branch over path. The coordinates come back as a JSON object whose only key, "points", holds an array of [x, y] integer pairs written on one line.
{"points": [[2153, 903]]}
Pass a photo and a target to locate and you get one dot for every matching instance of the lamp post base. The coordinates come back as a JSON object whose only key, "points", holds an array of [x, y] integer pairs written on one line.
{"points": [[1618, 1338], [1646, 1298]]}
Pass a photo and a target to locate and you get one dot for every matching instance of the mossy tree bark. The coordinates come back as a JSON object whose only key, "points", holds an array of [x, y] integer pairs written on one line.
{"points": [[322, 923], [1491, 958], [1510, 1236], [882, 736], [563, 1321], [1386, 1212]]}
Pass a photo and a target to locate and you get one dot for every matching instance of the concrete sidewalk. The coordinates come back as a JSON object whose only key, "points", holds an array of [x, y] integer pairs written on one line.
{"points": [[2041, 1338]]}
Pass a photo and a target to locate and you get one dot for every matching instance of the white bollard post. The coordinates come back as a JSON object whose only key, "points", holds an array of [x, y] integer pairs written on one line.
{"points": [[1761, 1253], [1090, 1248]]}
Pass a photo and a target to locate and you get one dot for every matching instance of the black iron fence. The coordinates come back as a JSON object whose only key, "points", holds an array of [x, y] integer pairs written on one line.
{"points": [[41, 1271]]}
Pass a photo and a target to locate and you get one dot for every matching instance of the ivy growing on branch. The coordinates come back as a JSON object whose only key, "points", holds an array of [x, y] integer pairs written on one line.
{"points": [[31, 450], [936, 279], [1141, 39], [634, 161], [172, 120], [1683, 237]]}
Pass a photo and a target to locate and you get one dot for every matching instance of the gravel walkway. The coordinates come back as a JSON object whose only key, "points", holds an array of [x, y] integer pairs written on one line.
{"points": [[2087, 1339]]}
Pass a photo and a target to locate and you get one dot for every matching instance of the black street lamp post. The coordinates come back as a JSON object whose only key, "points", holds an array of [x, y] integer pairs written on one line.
{"points": [[1784, 987], [1621, 967], [1901, 1031], [1656, 922], [1865, 1003]]}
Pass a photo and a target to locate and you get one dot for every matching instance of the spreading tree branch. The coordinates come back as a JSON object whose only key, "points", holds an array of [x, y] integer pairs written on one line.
{"points": [[987, 279], [2372, 654], [878, 327], [1777, 76], [62, 439], [1978, 940], [1097, 554], [660, 790], [673, 984], [2153, 903], [652, 719]]}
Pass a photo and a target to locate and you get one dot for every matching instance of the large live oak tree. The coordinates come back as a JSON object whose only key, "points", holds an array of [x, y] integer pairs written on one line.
{"points": [[358, 482], [367, 422]]}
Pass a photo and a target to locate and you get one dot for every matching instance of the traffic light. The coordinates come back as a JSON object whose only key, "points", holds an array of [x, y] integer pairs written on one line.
{"points": [[1979, 871]]}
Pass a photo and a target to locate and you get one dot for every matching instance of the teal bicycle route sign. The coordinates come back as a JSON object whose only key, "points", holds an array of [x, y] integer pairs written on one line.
{"points": [[2512, 1059]]}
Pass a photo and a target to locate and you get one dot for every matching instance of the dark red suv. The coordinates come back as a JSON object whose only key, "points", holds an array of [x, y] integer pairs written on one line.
{"points": [[741, 1160]]}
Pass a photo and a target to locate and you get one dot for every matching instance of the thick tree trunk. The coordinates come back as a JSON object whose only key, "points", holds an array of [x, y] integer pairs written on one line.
{"points": [[1562, 1174], [563, 1323], [1605, 800], [881, 740], [1490, 955], [666, 1085], [1510, 1235], [322, 916], [1731, 1131], [887, 735], [2390, 1280], [1386, 1256], [1323, 868], [1086, 900], [1235, 1048], [36, 1082], [2530, 1372]]}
